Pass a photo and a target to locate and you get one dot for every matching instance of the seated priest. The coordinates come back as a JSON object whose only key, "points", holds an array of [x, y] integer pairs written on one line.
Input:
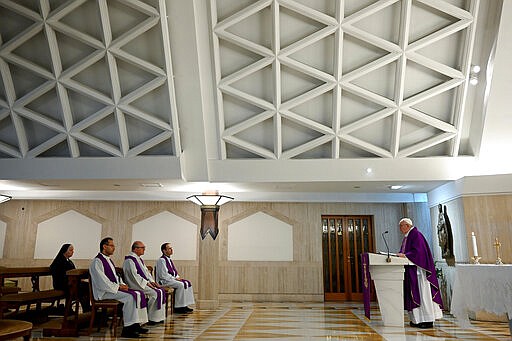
{"points": [[106, 284], [167, 275], [137, 276]]}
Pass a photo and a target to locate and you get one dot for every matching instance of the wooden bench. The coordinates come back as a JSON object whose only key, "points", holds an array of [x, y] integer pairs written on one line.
{"points": [[12, 329], [36, 296]]}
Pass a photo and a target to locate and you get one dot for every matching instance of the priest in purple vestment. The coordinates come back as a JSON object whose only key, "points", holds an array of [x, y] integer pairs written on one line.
{"points": [[106, 284], [422, 298], [138, 276]]}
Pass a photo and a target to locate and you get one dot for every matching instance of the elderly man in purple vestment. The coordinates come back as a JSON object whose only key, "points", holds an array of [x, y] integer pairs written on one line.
{"points": [[422, 298], [106, 284], [137, 275], [167, 275]]}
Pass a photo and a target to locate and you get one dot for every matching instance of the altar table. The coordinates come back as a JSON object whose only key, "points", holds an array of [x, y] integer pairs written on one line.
{"points": [[486, 287]]}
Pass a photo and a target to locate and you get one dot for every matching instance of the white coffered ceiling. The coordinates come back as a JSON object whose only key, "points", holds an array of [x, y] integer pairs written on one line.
{"points": [[270, 95]]}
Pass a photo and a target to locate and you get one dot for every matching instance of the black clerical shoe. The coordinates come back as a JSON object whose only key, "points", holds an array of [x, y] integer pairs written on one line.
{"points": [[140, 330], [130, 333], [180, 310], [425, 325], [154, 323], [416, 325], [188, 310]]}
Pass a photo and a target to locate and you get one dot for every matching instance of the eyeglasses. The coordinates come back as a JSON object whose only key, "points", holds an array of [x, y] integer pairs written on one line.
{"points": [[140, 247]]}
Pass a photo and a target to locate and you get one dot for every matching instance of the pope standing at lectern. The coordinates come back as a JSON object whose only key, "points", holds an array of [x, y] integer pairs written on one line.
{"points": [[422, 298]]}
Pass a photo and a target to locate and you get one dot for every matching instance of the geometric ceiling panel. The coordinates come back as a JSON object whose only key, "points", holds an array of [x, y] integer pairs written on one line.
{"points": [[86, 78], [341, 79]]}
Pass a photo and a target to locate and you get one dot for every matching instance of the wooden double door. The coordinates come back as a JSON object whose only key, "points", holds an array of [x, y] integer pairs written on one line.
{"points": [[344, 238]]}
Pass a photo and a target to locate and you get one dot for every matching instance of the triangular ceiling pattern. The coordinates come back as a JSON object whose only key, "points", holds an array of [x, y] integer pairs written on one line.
{"points": [[370, 57], [92, 64]]}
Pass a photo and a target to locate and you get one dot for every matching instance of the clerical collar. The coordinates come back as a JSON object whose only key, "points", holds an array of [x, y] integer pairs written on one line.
{"points": [[409, 231]]}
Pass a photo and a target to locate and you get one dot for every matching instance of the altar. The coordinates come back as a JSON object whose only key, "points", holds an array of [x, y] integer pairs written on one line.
{"points": [[486, 287]]}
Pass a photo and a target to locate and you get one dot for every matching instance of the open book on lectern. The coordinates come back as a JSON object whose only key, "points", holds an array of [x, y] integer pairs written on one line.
{"points": [[385, 253]]}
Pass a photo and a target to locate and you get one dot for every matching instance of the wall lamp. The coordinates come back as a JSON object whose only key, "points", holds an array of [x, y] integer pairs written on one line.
{"points": [[473, 74], [210, 205], [4, 198]]}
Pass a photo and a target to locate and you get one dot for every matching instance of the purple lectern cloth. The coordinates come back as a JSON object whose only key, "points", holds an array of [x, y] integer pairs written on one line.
{"points": [[365, 278], [416, 249]]}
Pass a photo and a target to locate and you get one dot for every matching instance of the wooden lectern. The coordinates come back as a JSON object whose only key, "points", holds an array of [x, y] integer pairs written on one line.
{"points": [[388, 278]]}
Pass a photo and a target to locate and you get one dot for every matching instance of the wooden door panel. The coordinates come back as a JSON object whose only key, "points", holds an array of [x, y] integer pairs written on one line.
{"points": [[343, 239]]}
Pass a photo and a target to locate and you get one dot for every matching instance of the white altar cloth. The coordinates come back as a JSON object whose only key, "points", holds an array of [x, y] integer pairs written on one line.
{"points": [[486, 287]]}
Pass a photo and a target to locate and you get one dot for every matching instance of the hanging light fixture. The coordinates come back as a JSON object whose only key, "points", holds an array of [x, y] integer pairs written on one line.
{"points": [[4, 198], [210, 205]]}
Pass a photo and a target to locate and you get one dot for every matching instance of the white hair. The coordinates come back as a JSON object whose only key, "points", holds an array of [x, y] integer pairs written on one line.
{"points": [[407, 221]]}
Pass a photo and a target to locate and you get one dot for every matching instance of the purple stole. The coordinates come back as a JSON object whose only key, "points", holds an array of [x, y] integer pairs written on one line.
{"points": [[160, 297], [416, 249], [171, 269], [113, 278]]}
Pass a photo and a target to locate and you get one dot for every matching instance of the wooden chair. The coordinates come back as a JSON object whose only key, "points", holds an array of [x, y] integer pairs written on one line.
{"points": [[169, 292], [104, 305]]}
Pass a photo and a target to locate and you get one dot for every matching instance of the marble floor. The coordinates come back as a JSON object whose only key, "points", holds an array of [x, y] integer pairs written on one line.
{"points": [[299, 321]]}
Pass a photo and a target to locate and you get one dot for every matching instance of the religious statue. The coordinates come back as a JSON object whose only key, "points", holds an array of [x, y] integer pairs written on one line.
{"points": [[445, 236]]}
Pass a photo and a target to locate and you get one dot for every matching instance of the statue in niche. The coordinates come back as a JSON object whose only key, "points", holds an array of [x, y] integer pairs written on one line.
{"points": [[445, 236]]}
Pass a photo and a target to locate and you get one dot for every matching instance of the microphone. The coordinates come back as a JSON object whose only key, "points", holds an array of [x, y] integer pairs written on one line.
{"points": [[388, 260]]}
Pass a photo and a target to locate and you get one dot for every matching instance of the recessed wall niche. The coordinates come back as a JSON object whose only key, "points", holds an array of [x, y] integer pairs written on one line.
{"points": [[68, 227], [260, 237], [167, 227]]}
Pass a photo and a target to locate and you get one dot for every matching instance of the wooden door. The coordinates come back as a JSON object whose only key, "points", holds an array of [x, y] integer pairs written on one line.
{"points": [[344, 238]]}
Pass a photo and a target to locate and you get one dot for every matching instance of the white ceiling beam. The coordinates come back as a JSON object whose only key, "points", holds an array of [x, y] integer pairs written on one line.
{"points": [[145, 117], [163, 136], [41, 119], [308, 12], [354, 141], [98, 144], [308, 40], [291, 153], [432, 121], [248, 123], [242, 14], [306, 122], [41, 148], [307, 96], [367, 120], [10, 150], [425, 144], [250, 147], [247, 98]]}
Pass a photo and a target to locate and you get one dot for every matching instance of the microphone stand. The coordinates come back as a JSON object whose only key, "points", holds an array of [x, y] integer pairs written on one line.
{"points": [[388, 259]]}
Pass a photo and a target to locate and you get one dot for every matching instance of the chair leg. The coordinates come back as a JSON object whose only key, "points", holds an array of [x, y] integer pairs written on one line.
{"points": [[93, 313], [114, 322]]}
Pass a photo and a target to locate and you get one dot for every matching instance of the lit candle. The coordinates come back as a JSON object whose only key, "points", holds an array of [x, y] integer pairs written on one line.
{"points": [[475, 249]]}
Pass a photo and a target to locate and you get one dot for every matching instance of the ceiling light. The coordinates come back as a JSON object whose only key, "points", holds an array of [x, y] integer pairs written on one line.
{"points": [[473, 80], [152, 184], [395, 187], [368, 170], [210, 205], [475, 69], [4, 198]]}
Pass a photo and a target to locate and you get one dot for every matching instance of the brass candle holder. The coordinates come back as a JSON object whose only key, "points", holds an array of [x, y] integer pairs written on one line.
{"points": [[497, 245], [476, 259]]}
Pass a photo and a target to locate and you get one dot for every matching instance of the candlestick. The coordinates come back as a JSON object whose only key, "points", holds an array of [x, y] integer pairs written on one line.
{"points": [[475, 249], [476, 259], [497, 245]]}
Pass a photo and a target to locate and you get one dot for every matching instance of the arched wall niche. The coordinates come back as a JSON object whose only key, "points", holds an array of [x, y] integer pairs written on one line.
{"points": [[160, 226], [65, 225], [260, 235]]}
